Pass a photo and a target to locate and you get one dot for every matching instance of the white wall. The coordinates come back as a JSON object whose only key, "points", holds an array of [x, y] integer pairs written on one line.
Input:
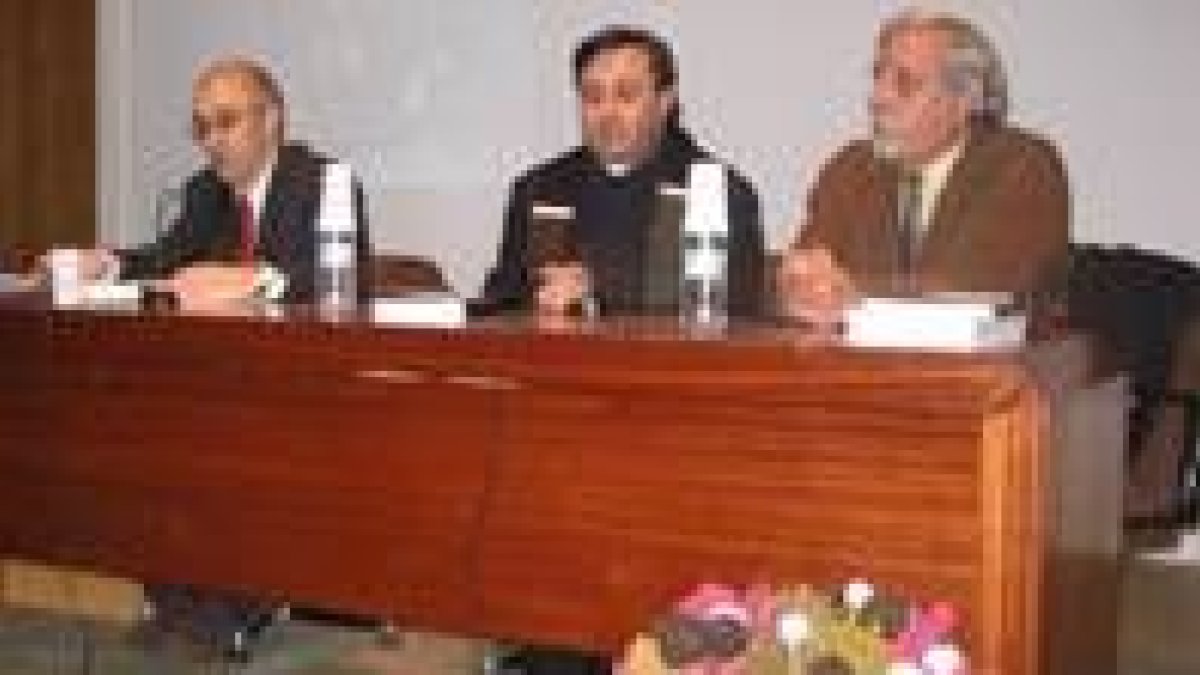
{"points": [[439, 103]]}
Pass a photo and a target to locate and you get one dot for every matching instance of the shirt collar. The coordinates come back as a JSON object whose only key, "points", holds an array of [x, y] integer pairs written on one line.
{"points": [[617, 170], [934, 177], [257, 194], [936, 173]]}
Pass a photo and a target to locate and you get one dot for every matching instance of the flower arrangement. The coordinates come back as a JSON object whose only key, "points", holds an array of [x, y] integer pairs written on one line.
{"points": [[854, 630]]}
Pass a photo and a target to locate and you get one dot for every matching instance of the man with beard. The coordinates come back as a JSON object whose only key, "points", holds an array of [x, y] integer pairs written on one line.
{"points": [[944, 197], [605, 191]]}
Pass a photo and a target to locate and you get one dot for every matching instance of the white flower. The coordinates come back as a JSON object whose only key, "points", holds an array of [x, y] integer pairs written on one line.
{"points": [[903, 668], [793, 628], [944, 660], [857, 594]]}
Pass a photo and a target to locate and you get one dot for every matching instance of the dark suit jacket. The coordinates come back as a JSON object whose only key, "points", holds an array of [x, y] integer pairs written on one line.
{"points": [[207, 230], [1002, 222], [618, 250]]}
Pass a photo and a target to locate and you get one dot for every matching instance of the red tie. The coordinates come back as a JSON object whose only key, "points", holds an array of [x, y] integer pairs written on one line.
{"points": [[246, 228]]}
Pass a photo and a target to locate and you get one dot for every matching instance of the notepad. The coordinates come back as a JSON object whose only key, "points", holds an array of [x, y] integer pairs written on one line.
{"points": [[960, 322]]}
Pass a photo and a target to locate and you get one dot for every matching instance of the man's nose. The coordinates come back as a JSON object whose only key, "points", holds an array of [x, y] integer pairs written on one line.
{"points": [[882, 99], [212, 142], [606, 110]]}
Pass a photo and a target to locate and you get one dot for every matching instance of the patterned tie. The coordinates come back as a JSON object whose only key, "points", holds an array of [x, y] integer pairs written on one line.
{"points": [[246, 230], [908, 223]]}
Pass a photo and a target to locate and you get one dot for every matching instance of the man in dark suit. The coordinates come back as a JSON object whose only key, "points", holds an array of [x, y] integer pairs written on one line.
{"points": [[608, 191], [256, 202], [944, 196]]}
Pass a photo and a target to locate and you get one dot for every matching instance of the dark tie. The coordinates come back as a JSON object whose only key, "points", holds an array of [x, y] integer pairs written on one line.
{"points": [[246, 230], [908, 222]]}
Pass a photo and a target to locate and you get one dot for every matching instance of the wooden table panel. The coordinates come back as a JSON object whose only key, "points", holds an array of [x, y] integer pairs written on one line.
{"points": [[562, 484], [689, 480]]}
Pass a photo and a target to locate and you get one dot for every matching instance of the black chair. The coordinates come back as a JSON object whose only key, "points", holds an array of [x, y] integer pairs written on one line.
{"points": [[1137, 305]]}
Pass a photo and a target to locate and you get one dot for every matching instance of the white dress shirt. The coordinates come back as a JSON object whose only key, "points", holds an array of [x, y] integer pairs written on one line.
{"points": [[934, 177]]}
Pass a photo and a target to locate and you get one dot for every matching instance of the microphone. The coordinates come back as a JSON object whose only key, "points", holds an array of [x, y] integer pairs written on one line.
{"points": [[168, 207]]}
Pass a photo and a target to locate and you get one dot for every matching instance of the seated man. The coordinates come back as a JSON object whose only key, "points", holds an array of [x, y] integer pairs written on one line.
{"points": [[606, 189], [945, 196], [605, 192], [255, 202]]}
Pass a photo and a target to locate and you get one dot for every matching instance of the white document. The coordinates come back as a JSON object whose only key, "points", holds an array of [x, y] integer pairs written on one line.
{"points": [[932, 323], [420, 309], [112, 292]]}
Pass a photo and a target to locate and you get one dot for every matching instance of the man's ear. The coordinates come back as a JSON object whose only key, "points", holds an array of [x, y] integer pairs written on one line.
{"points": [[967, 105], [274, 119], [667, 101]]}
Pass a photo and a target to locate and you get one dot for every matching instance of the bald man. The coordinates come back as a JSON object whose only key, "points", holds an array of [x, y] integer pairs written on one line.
{"points": [[255, 203]]}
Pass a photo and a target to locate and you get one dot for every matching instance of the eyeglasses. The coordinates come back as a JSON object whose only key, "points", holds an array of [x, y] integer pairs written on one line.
{"points": [[221, 120]]}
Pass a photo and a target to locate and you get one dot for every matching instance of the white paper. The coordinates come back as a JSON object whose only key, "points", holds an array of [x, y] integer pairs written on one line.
{"points": [[105, 292], [918, 324], [420, 309]]}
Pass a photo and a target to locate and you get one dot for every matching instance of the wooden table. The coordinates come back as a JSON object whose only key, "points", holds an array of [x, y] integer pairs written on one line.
{"points": [[564, 483]]}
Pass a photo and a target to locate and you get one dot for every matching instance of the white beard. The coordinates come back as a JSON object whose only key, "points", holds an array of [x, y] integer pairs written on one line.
{"points": [[885, 144]]}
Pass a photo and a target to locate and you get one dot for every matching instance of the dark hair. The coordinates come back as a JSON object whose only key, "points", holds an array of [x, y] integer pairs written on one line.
{"points": [[662, 60]]}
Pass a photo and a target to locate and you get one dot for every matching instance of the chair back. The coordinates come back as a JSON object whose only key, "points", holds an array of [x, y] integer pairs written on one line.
{"points": [[1136, 304], [398, 274]]}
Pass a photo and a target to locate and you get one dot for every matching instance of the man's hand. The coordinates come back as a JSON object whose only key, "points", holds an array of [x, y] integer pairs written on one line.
{"points": [[813, 287], [209, 285], [562, 286]]}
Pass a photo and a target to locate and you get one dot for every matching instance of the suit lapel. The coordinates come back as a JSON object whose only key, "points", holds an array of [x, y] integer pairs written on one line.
{"points": [[274, 216], [951, 212], [217, 219], [883, 246]]}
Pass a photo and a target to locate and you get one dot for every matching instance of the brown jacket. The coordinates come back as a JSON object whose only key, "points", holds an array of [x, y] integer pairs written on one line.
{"points": [[1001, 224]]}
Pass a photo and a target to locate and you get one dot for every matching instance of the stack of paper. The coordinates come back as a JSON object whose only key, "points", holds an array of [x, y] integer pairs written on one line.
{"points": [[933, 323], [105, 292], [422, 309]]}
